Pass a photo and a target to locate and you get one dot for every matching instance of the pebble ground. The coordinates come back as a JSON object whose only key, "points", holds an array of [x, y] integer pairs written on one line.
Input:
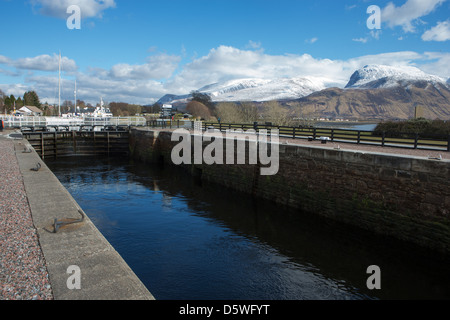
{"points": [[23, 272]]}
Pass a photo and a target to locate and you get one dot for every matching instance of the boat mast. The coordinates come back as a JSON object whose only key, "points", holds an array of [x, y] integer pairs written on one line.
{"points": [[59, 86], [75, 111]]}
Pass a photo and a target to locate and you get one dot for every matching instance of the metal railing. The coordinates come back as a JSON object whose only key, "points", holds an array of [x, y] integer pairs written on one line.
{"points": [[171, 124], [116, 121], [402, 140], [21, 122]]}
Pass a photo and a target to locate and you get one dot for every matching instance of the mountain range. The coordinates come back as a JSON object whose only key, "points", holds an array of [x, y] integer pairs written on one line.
{"points": [[372, 92]]}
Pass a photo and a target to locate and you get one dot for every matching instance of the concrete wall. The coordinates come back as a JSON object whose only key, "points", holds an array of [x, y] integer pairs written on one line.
{"points": [[400, 196]]}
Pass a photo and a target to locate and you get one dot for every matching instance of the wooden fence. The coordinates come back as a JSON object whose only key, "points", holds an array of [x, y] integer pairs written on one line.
{"points": [[406, 140]]}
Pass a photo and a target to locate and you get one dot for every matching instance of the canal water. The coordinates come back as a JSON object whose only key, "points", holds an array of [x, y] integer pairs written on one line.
{"points": [[191, 241]]}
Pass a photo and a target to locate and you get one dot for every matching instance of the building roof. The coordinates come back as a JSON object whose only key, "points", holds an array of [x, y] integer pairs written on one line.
{"points": [[32, 109]]}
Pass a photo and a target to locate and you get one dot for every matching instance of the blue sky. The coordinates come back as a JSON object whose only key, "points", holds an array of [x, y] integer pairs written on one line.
{"points": [[136, 51]]}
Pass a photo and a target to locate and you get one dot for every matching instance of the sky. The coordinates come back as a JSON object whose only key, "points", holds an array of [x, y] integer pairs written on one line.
{"points": [[137, 51]]}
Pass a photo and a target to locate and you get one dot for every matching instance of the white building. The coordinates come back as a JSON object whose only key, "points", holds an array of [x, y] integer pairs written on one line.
{"points": [[31, 111]]}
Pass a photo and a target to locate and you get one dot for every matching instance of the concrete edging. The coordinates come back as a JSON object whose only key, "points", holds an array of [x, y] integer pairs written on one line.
{"points": [[104, 273]]}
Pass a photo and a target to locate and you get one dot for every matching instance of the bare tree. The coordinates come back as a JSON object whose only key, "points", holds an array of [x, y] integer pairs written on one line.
{"points": [[227, 112], [198, 110], [277, 114], [243, 113]]}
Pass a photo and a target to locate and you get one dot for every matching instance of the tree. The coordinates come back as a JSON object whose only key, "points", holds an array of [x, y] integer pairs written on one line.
{"points": [[277, 114], [249, 112], [201, 97], [123, 109], [30, 98], [67, 106], [245, 112], [154, 108], [204, 99], [81, 104], [2, 101], [228, 112], [198, 110], [19, 103], [9, 103]]}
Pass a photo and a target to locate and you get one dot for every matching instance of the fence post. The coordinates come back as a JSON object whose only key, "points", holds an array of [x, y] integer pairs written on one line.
{"points": [[314, 133], [448, 143], [293, 133], [332, 134], [359, 137], [416, 140], [382, 138], [42, 146]]}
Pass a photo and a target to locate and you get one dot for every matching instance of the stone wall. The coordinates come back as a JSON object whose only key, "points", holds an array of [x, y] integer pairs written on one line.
{"points": [[404, 197]]}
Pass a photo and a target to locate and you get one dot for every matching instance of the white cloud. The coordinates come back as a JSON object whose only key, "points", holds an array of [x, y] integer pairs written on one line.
{"points": [[227, 63], [157, 67], [376, 34], [409, 13], [40, 63], [58, 8], [363, 40], [144, 85], [5, 60], [441, 32], [312, 40], [437, 63], [253, 45], [45, 63]]}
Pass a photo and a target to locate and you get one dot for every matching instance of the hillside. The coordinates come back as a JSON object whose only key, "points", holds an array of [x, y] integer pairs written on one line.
{"points": [[397, 102], [372, 92]]}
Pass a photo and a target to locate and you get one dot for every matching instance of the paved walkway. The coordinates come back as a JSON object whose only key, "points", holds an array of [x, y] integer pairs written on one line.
{"points": [[347, 146], [35, 261]]}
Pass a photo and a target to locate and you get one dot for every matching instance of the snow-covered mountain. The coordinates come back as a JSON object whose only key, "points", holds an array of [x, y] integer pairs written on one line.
{"points": [[380, 76], [256, 90], [368, 77], [383, 92], [263, 89]]}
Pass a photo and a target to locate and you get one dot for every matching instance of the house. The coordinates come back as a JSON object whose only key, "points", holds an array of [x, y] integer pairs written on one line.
{"points": [[31, 111]]}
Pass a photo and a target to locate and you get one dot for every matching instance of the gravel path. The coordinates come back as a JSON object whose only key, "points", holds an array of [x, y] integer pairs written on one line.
{"points": [[23, 273]]}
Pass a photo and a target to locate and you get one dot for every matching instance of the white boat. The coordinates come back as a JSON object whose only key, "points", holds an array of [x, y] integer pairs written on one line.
{"points": [[101, 112]]}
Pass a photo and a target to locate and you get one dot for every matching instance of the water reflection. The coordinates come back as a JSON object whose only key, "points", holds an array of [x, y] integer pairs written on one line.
{"points": [[190, 241]]}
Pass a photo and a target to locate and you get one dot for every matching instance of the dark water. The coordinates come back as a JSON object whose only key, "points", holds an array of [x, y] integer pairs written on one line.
{"points": [[190, 241]]}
